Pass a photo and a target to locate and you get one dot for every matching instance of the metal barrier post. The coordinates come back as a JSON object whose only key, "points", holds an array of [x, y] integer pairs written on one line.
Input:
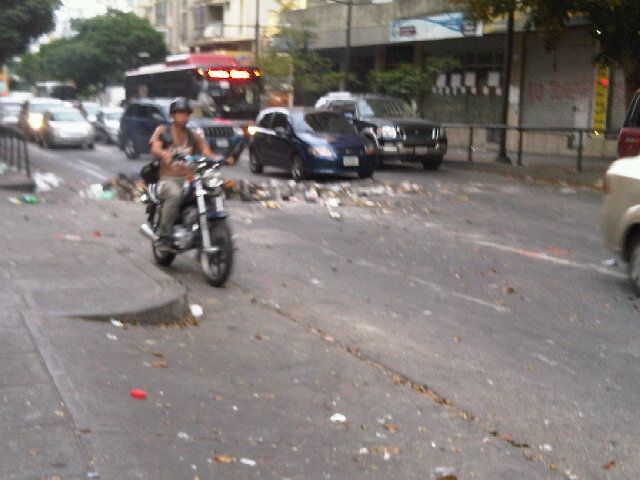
{"points": [[470, 151], [27, 165], [579, 166], [520, 134], [12, 152]]}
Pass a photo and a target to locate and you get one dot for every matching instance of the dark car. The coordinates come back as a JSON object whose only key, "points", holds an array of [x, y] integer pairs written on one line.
{"points": [[142, 116], [392, 125], [309, 142], [629, 141]]}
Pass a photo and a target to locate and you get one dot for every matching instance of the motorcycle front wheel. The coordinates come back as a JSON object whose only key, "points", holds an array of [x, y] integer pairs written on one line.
{"points": [[217, 267]]}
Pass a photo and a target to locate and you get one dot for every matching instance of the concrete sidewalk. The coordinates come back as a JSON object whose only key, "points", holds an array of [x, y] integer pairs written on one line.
{"points": [[61, 257]]}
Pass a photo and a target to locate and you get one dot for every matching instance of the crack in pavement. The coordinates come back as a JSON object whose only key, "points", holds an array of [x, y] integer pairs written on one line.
{"points": [[399, 379]]}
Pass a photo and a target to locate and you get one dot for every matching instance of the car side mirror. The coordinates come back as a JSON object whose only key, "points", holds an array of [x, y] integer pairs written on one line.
{"points": [[281, 131]]}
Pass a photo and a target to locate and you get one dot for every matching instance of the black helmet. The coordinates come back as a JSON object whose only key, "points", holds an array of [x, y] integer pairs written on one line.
{"points": [[180, 104]]}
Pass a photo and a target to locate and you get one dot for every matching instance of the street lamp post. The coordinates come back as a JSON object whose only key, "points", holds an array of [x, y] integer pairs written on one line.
{"points": [[257, 39]]}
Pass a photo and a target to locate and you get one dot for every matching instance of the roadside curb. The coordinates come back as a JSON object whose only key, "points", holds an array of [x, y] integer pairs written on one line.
{"points": [[17, 183], [541, 173]]}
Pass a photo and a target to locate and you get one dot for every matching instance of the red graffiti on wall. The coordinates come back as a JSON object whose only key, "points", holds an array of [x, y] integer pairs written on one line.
{"points": [[557, 90]]}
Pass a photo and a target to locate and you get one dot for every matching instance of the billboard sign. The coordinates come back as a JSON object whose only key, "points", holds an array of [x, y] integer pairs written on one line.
{"points": [[434, 27]]}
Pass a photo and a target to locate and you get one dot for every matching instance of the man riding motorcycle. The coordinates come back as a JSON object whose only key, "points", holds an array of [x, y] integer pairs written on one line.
{"points": [[165, 142]]}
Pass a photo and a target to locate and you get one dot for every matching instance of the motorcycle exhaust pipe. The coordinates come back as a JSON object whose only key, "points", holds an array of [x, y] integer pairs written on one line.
{"points": [[146, 230]]}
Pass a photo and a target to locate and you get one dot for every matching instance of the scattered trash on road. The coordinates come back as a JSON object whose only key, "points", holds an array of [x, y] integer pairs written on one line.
{"points": [[111, 336], [93, 474], [196, 310], [338, 418], [546, 447], [138, 394], [610, 466], [611, 262], [117, 323], [184, 436], [26, 199], [248, 462], [45, 182], [223, 459], [444, 473]]}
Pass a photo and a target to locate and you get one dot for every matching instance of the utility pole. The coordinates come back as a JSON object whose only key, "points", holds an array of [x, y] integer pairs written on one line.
{"points": [[347, 50], [506, 82], [257, 39]]}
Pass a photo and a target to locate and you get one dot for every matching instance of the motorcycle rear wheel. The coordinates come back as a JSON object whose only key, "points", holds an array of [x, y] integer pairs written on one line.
{"points": [[217, 267]]}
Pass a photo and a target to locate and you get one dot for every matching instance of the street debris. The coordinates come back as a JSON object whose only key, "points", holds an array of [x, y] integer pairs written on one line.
{"points": [[391, 427], [120, 187], [338, 418], [609, 466], [508, 290], [223, 459], [72, 238], [3, 167], [93, 474], [248, 462], [117, 323], [184, 436], [196, 310], [26, 199], [444, 473], [546, 447], [111, 336], [610, 262], [45, 182], [138, 394]]}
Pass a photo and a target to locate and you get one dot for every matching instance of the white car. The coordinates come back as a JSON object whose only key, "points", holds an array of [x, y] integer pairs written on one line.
{"points": [[66, 126], [621, 214]]}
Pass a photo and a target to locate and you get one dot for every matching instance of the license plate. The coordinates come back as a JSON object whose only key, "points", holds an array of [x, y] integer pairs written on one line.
{"points": [[350, 161], [219, 204], [222, 142], [422, 150]]}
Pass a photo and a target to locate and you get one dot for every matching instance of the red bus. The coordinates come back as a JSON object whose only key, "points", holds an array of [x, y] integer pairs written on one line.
{"points": [[231, 90]]}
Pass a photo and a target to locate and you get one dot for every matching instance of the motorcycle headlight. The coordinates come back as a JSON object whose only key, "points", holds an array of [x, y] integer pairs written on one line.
{"points": [[238, 131], [36, 120], [388, 132], [321, 151], [212, 180]]}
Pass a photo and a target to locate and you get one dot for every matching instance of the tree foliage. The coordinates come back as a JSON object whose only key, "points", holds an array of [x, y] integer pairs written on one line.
{"points": [[104, 48], [289, 63], [22, 21], [614, 23], [409, 81]]}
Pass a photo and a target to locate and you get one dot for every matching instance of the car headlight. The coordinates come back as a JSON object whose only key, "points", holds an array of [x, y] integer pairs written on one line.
{"points": [[36, 120], [387, 131], [198, 131], [321, 151], [251, 129], [238, 131]]}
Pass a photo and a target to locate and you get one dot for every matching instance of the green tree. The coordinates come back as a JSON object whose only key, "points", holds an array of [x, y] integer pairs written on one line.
{"points": [[409, 81], [290, 63], [614, 23], [21, 21], [104, 48]]}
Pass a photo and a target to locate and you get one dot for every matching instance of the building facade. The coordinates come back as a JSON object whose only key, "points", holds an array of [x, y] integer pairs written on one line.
{"points": [[550, 85], [213, 25]]}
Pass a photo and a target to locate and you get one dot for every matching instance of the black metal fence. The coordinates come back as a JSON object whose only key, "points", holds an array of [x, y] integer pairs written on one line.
{"points": [[579, 134], [13, 149]]}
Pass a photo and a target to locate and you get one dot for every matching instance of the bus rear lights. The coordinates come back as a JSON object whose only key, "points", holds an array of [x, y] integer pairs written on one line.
{"points": [[240, 74], [218, 74]]}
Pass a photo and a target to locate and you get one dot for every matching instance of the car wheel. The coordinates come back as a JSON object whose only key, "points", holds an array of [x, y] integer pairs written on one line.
{"points": [[255, 165], [297, 169], [91, 146], [432, 163], [634, 266], [130, 149]]}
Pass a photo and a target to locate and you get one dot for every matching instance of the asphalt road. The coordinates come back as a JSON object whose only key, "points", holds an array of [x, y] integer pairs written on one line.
{"points": [[485, 292]]}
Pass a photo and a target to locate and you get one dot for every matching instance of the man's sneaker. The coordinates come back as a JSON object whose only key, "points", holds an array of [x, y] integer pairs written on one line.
{"points": [[163, 245]]}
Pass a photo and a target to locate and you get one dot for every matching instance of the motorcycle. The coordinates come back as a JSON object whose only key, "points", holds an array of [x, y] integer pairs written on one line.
{"points": [[200, 224]]}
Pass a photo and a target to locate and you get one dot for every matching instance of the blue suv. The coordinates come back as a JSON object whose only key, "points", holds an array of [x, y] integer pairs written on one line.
{"points": [[309, 142], [142, 116]]}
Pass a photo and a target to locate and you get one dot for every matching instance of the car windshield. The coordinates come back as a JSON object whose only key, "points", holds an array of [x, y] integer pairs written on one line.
{"points": [[9, 109], [202, 111], [321, 122], [90, 108], [112, 115], [67, 116], [42, 107], [384, 107]]}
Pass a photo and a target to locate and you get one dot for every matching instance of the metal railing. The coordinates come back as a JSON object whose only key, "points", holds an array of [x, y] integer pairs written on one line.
{"points": [[13, 149], [581, 133]]}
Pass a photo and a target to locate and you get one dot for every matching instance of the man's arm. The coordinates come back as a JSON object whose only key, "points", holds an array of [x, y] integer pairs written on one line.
{"points": [[202, 145], [165, 155]]}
